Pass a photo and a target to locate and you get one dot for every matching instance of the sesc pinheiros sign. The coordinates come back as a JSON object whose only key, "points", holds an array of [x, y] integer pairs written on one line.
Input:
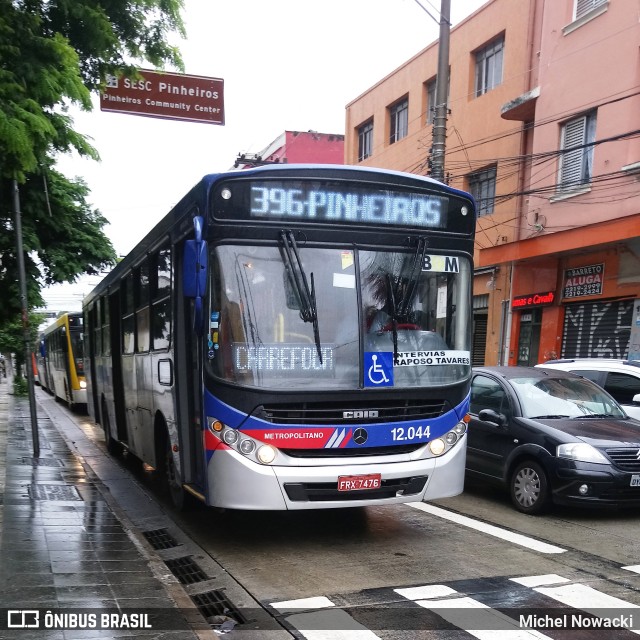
{"points": [[173, 96]]}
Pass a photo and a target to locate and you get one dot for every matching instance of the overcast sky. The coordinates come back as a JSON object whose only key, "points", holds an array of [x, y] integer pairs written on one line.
{"points": [[286, 65]]}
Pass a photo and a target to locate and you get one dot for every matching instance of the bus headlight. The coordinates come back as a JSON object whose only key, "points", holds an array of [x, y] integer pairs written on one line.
{"points": [[247, 447], [437, 446], [230, 436], [451, 437], [83, 384], [461, 427], [266, 454]]}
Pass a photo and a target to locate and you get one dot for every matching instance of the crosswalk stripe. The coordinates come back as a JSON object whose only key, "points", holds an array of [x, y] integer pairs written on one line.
{"points": [[320, 620], [476, 618], [319, 602], [492, 530], [587, 599], [540, 581], [635, 568]]}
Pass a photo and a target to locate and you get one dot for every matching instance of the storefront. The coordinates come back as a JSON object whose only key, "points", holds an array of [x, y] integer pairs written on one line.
{"points": [[576, 305]]}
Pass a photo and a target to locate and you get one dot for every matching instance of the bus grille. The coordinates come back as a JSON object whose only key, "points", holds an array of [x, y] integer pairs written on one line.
{"points": [[323, 413], [626, 458], [349, 452]]}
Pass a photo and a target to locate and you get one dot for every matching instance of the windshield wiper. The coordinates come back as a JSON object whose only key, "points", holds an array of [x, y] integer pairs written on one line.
{"points": [[406, 300], [394, 316], [305, 294], [550, 417], [399, 301]]}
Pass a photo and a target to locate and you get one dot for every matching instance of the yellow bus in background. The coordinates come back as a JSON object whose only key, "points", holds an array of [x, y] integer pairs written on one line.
{"points": [[61, 360]]}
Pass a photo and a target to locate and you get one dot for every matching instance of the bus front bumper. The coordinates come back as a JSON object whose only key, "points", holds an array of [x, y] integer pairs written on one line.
{"points": [[238, 483]]}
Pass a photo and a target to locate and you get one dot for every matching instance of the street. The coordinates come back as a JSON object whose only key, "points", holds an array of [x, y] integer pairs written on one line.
{"points": [[419, 570]]}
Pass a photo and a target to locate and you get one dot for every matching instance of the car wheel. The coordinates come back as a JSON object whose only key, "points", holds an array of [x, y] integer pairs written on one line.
{"points": [[529, 488]]}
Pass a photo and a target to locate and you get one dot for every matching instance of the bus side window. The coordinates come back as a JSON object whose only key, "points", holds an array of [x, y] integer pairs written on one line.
{"points": [[126, 304], [141, 283], [160, 283]]}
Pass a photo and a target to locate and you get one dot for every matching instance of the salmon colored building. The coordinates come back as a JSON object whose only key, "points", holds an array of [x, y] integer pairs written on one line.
{"points": [[298, 147], [544, 129]]}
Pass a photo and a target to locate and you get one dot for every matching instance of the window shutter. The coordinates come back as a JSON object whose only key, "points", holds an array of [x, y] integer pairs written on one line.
{"points": [[573, 135], [584, 6]]}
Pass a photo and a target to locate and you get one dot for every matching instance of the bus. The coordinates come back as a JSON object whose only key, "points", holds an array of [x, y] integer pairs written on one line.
{"points": [[60, 361], [292, 337]]}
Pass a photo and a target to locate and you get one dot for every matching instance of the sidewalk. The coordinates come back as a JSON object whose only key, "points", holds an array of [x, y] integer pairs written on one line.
{"points": [[66, 559]]}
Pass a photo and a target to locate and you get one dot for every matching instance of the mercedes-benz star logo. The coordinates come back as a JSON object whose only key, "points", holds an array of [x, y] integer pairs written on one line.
{"points": [[360, 436]]}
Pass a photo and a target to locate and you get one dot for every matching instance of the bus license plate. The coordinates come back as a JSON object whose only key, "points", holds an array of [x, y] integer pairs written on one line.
{"points": [[635, 481], [359, 483]]}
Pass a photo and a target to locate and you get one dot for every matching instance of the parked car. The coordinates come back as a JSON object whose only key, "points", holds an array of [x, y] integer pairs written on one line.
{"points": [[551, 436], [621, 378]]}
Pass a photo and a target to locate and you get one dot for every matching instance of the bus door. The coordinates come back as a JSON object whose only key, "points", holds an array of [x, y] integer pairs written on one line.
{"points": [[93, 328], [116, 365], [189, 365]]}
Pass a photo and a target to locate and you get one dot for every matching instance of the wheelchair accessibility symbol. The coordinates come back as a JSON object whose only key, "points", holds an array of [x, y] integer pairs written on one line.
{"points": [[378, 369]]}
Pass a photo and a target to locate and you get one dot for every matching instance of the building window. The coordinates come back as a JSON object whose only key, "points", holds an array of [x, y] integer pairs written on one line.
{"points": [[430, 87], [489, 66], [399, 113], [431, 100], [365, 140], [482, 186], [584, 6], [576, 152]]}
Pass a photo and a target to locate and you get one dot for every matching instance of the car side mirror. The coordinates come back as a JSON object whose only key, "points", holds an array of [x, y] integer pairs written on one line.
{"points": [[489, 415]]}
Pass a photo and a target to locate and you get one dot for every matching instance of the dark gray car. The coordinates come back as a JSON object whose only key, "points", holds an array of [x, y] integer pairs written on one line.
{"points": [[551, 436]]}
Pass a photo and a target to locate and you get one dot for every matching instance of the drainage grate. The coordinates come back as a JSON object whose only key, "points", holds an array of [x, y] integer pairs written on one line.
{"points": [[214, 603], [53, 492], [186, 570], [160, 539], [42, 462]]}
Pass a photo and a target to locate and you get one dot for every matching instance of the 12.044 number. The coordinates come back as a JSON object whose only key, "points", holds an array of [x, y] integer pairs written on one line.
{"points": [[410, 433]]}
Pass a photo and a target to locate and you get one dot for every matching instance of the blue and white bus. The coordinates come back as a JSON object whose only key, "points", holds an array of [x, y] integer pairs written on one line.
{"points": [[292, 337]]}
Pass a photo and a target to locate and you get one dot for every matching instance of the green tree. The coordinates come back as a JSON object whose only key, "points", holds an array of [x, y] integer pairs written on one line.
{"points": [[52, 56], [12, 336]]}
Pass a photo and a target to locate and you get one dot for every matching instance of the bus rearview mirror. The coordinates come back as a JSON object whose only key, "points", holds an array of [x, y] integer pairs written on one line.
{"points": [[194, 268]]}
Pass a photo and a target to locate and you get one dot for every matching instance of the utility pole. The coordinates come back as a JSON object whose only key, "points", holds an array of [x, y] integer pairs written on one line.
{"points": [[442, 85], [22, 276]]}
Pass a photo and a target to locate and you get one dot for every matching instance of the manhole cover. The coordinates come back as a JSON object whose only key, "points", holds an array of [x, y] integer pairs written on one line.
{"points": [[53, 492]]}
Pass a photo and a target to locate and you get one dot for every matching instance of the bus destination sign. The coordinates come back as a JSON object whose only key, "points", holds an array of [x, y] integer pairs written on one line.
{"points": [[333, 203], [173, 96]]}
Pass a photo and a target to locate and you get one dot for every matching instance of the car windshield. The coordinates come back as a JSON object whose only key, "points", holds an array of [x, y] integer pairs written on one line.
{"points": [[285, 317], [564, 398]]}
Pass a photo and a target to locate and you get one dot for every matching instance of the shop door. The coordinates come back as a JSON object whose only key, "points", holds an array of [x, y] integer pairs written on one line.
{"points": [[529, 339], [597, 329]]}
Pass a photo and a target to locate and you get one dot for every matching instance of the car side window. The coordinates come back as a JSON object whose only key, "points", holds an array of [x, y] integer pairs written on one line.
{"points": [[486, 393], [622, 387], [595, 376]]}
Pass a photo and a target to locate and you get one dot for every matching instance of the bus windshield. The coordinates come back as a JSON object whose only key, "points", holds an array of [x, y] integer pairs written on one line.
{"points": [[336, 315]]}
